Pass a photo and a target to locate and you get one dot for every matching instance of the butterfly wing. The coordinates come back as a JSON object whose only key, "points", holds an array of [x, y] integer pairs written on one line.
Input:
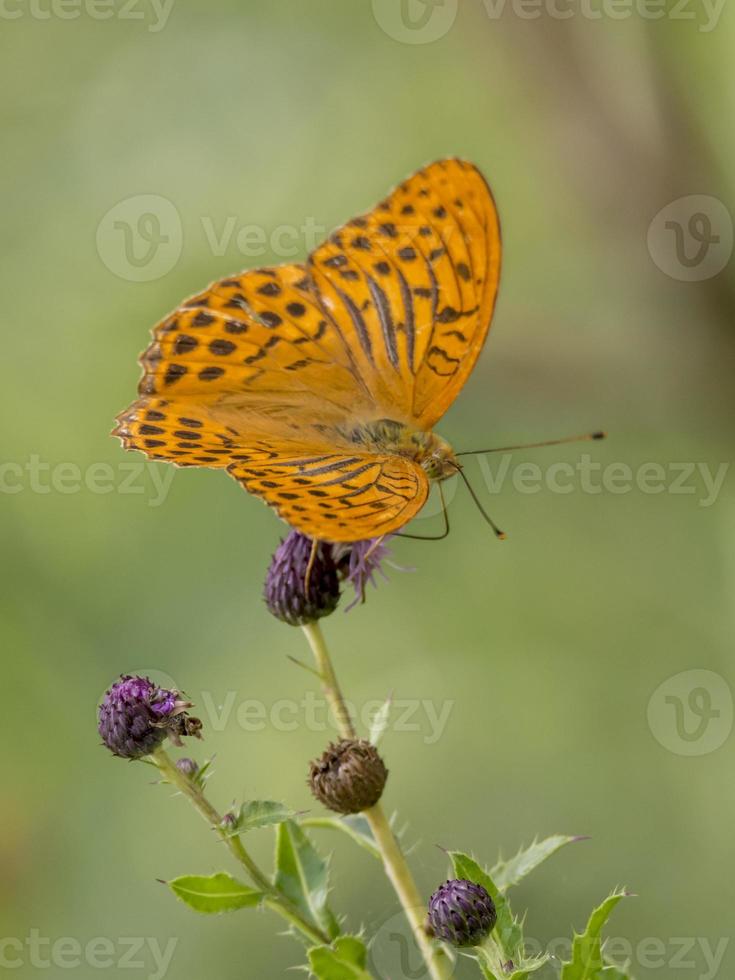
{"points": [[412, 287], [249, 376], [268, 374]]}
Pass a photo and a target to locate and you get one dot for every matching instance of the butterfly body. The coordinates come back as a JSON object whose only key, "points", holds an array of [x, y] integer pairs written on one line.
{"points": [[317, 386], [431, 452]]}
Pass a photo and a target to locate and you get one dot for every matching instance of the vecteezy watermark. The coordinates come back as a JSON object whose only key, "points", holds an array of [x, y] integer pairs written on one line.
{"points": [[100, 953], [691, 239], [424, 21], [141, 238], [415, 21], [690, 953], [39, 476], [154, 13], [419, 716], [592, 477], [392, 952], [691, 713]]}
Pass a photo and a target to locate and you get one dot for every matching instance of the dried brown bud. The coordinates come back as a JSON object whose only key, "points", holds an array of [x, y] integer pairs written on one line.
{"points": [[349, 776]]}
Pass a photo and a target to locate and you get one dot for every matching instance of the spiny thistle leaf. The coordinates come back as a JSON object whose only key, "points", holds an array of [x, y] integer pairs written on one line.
{"points": [[302, 875], [345, 959], [505, 874], [215, 893], [257, 813], [587, 962]]}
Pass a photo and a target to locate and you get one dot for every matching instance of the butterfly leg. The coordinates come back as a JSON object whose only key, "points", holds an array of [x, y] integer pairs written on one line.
{"points": [[309, 567], [431, 537]]}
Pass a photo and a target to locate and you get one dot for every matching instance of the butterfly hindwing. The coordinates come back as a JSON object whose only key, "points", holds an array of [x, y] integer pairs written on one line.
{"points": [[339, 497]]}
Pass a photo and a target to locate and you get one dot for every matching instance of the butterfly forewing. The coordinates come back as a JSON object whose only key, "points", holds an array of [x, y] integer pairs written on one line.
{"points": [[412, 286]]}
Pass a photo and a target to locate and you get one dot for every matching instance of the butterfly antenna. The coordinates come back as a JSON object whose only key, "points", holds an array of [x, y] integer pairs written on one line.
{"points": [[501, 535], [585, 437], [431, 537]]}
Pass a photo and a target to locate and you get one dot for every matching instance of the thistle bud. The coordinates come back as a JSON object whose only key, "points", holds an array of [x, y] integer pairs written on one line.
{"points": [[461, 913], [297, 589], [349, 776], [135, 717], [188, 767]]}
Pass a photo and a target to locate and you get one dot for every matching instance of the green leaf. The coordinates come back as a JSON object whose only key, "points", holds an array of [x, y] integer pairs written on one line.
{"points": [[355, 827], [505, 944], [302, 875], [380, 721], [344, 960], [505, 874], [259, 813], [587, 962], [215, 893]]}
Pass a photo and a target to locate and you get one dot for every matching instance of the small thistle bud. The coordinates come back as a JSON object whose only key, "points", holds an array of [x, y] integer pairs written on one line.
{"points": [[296, 593], [349, 776], [461, 913], [229, 822], [188, 767], [136, 716]]}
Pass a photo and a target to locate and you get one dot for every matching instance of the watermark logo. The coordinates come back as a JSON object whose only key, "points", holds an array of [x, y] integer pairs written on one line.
{"points": [[153, 13], [140, 238], [691, 713], [147, 954], [691, 239], [415, 21], [393, 951], [40, 476]]}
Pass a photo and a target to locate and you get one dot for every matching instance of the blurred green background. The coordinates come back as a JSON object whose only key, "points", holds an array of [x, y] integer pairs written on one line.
{"points": [[550, 647]]}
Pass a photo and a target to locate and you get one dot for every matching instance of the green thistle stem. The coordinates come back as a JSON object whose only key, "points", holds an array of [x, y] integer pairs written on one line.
{"points": [[394, 861], [273, 898]]}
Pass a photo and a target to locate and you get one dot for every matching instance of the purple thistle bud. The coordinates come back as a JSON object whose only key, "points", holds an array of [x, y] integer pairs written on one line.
{"points": [[229, 822], [295, 592], [461, 913], [188, 767], [349, 777], [136, 716]]}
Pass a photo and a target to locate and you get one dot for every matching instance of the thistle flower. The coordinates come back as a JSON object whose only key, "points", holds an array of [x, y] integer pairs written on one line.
{"points": [[461, 913], [135, 717], [360, 562], [349, 776], [295, 592]]}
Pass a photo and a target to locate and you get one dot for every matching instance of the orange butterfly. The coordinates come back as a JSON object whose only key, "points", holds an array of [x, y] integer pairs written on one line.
{"points": [[317, 386]]}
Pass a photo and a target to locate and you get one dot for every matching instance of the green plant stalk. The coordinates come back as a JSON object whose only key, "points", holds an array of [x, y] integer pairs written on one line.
{"points": [[394, 861], [272, 897]]}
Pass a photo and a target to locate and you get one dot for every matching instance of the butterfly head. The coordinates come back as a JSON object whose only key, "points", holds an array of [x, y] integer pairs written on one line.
{"points": [[437, 458]]}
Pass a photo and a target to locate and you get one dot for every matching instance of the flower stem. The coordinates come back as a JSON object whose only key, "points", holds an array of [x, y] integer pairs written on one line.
{"points": [[394, 861], [330, 684], [272, 897]]}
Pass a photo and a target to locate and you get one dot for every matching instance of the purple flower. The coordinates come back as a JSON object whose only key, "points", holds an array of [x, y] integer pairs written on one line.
{"points": [[135, 717], [298, 588], [360, 562], [461, 913]]}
